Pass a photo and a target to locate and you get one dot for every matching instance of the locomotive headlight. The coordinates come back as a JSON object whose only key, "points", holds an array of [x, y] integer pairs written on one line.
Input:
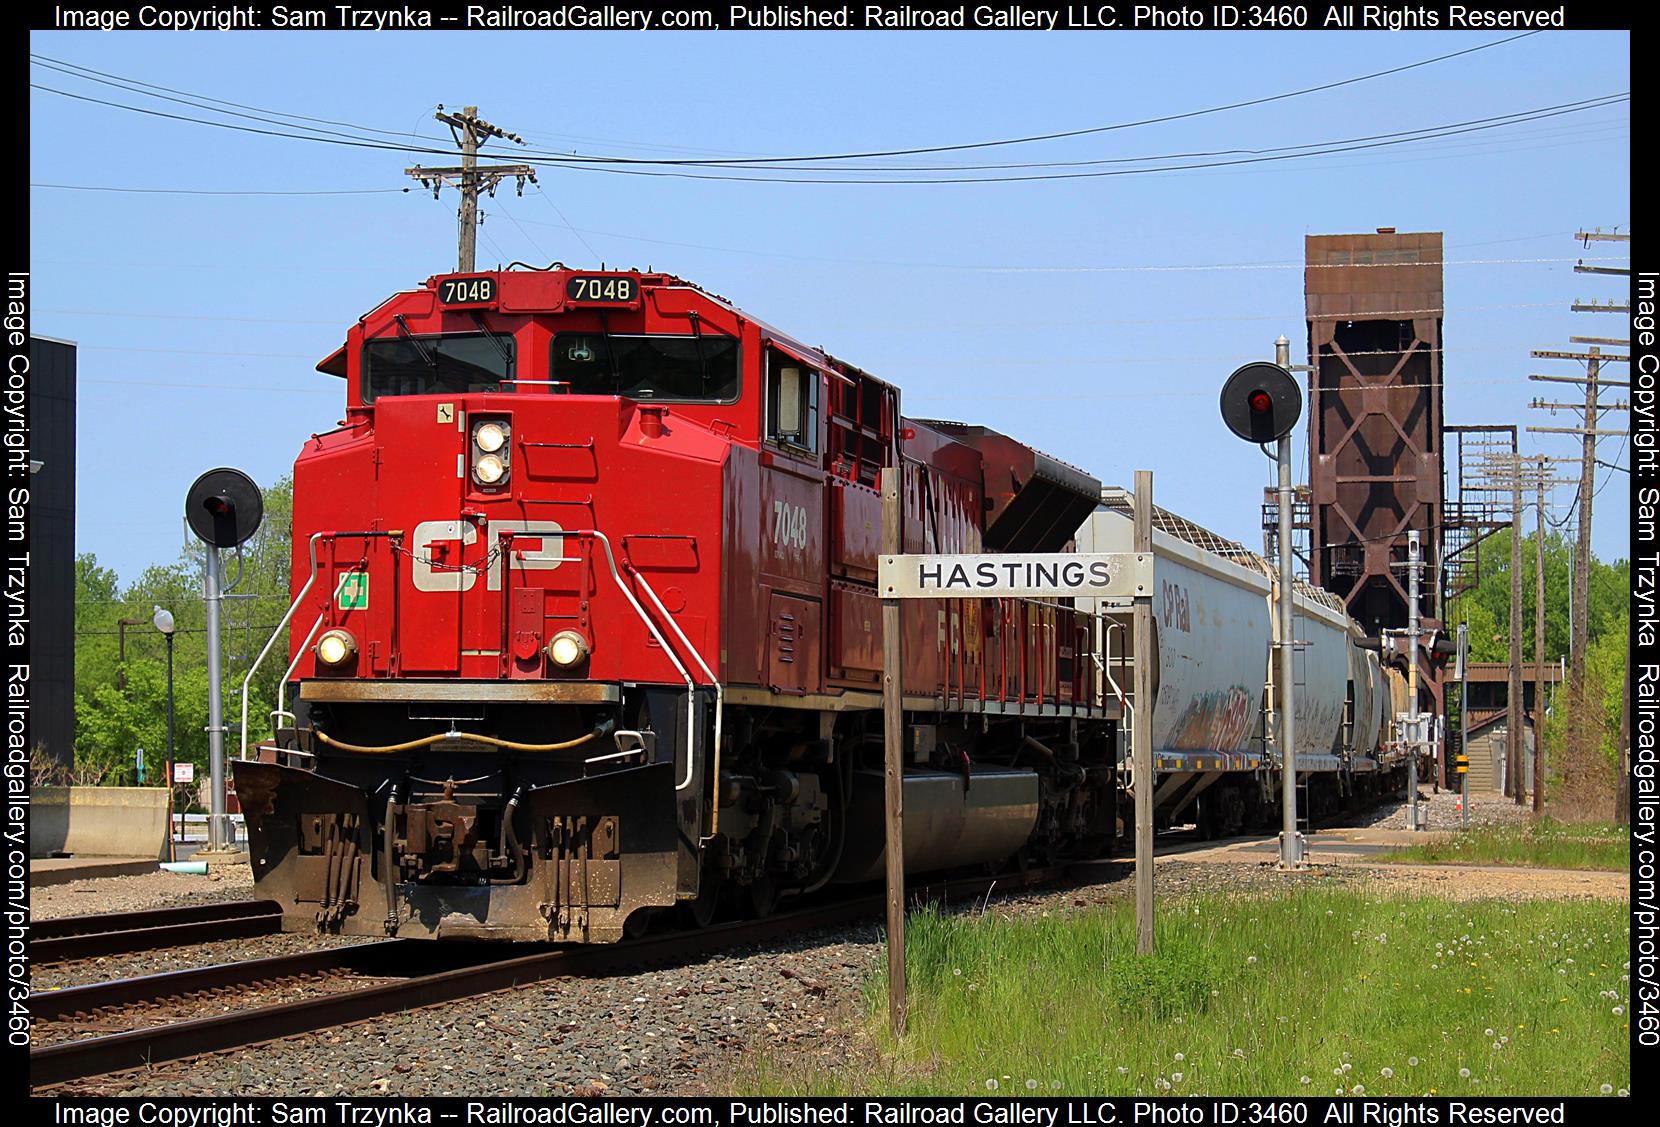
{"points": [[489, 469], [490, 437], [336, 647], [568, 648]]}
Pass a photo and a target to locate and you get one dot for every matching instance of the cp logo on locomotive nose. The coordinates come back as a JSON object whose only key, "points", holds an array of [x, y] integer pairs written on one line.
{"points": [[436, 569]]}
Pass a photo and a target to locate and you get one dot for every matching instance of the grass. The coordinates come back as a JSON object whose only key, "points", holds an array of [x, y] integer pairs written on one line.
{"points": [[1305, 994], [1544, 843]]}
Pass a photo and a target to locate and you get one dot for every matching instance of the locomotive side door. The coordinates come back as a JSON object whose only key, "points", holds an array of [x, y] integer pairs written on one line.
{"points": [[792, 522]]}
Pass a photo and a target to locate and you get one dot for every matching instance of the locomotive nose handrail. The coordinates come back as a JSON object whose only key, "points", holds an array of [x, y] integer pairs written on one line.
{"points": [[283, 625], [275, 634], [680, 666]]}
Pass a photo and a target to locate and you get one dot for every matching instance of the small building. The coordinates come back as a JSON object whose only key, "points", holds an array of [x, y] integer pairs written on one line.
{"points": [[1489, 723]]}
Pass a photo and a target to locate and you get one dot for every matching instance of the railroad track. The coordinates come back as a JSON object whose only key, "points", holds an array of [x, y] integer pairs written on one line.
{"points": [[68, 1060], [83, 937]]}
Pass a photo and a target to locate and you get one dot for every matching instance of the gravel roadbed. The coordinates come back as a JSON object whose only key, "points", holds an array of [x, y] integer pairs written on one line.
{"points": [[103, 895], [677, 1030], [107, 968], [206, 1004], [701, 1027]]}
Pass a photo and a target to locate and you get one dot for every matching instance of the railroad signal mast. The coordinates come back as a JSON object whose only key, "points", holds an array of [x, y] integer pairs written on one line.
{"points": [[1261, 403], [470, 131]]}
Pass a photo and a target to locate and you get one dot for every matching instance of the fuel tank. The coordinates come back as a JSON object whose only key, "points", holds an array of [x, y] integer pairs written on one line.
{"points": [[951, 820]]}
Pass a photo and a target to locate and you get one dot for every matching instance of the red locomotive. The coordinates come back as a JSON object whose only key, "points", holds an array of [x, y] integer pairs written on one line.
{"points": [[586, 625]]}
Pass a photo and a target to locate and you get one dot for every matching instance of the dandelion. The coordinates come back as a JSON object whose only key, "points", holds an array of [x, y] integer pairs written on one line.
{"points": [[1162, 1084], [1031, 1085], [1607, 1089], [1176, 1077], [1359, 1089], [1347, 1067], [1250, 960], [1306, 1080], [1463, 1074], [1123, 1071], [1388, 1074], [1240, 1053], [991, 1084], [1337, 1072], [1624, 1092], [1487, 1032], [1180, 1057], [1618, 1010], [958, 971]]}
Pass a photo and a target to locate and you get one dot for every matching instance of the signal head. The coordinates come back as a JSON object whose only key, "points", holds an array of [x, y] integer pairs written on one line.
{"points": [[224, 507], [1261, 402]]}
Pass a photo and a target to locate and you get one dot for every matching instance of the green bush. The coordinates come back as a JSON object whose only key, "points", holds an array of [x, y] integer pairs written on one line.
{"points": [[1175, 979]]}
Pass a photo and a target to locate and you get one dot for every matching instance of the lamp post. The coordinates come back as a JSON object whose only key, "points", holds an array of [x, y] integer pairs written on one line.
{"points": [[163, 621]]}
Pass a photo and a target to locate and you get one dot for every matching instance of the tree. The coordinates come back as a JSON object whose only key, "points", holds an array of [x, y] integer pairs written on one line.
{"points": [[111, 722]]}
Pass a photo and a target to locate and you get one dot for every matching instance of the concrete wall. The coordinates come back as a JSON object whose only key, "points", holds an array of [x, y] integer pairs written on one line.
{"points": [[98, 821]]}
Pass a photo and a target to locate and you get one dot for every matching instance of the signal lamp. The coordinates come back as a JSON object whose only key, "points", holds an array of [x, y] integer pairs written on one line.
{"points": [[336, 647], [489, 469], [490, 437], [568, 648], [1261, 402]]}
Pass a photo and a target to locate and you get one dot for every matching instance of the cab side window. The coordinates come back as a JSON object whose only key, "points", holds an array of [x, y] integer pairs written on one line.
{"points": [[792, 403]]}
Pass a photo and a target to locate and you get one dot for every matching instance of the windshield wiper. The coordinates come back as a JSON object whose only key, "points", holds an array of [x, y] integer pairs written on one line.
{"points": [[610, 353], [506, 353], [702, 361], [428, 358]]}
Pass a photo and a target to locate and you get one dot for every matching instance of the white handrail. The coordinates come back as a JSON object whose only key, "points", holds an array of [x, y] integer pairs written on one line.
{"points": [[275, 634], [720, 696], [680, 667]]}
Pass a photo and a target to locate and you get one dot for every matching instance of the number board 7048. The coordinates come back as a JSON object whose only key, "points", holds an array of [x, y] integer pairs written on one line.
{"points": [[602, 289], [476, 290]]}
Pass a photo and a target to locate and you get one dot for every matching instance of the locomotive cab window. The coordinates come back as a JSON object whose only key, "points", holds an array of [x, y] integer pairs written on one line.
{"points": [[792, 403], [436, 365], [675, 369]]}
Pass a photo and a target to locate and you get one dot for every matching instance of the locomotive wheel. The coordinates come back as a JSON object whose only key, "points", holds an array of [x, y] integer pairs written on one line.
{"points": [[639, 922], [701, 911], [762, 897]]}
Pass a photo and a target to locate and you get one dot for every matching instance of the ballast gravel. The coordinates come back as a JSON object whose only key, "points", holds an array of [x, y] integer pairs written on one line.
{"points": [[706, 1026]]}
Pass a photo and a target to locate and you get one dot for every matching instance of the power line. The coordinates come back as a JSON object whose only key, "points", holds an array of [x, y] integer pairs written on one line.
{"points": [[607, 166], [214, 192], [59, 65]]}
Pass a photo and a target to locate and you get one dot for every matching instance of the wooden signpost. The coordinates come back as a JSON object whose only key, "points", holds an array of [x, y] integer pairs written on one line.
{"points": [[1002, 575]]}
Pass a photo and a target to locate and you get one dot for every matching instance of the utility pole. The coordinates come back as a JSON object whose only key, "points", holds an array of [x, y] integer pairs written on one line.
{"points": [[1513, 472], [1540, 469], [470, 131], [1579, 624], [1592, 413]]}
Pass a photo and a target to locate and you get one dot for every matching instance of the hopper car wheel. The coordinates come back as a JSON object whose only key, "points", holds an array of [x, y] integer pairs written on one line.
{"points": [[639, 922]]}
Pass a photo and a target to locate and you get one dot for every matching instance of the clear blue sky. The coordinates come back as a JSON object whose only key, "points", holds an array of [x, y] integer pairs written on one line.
{"points": [[1093, 318]]}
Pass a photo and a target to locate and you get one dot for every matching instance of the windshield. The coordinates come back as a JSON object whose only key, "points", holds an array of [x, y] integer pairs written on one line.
{"points": [[684, 369], [434, 365]]}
